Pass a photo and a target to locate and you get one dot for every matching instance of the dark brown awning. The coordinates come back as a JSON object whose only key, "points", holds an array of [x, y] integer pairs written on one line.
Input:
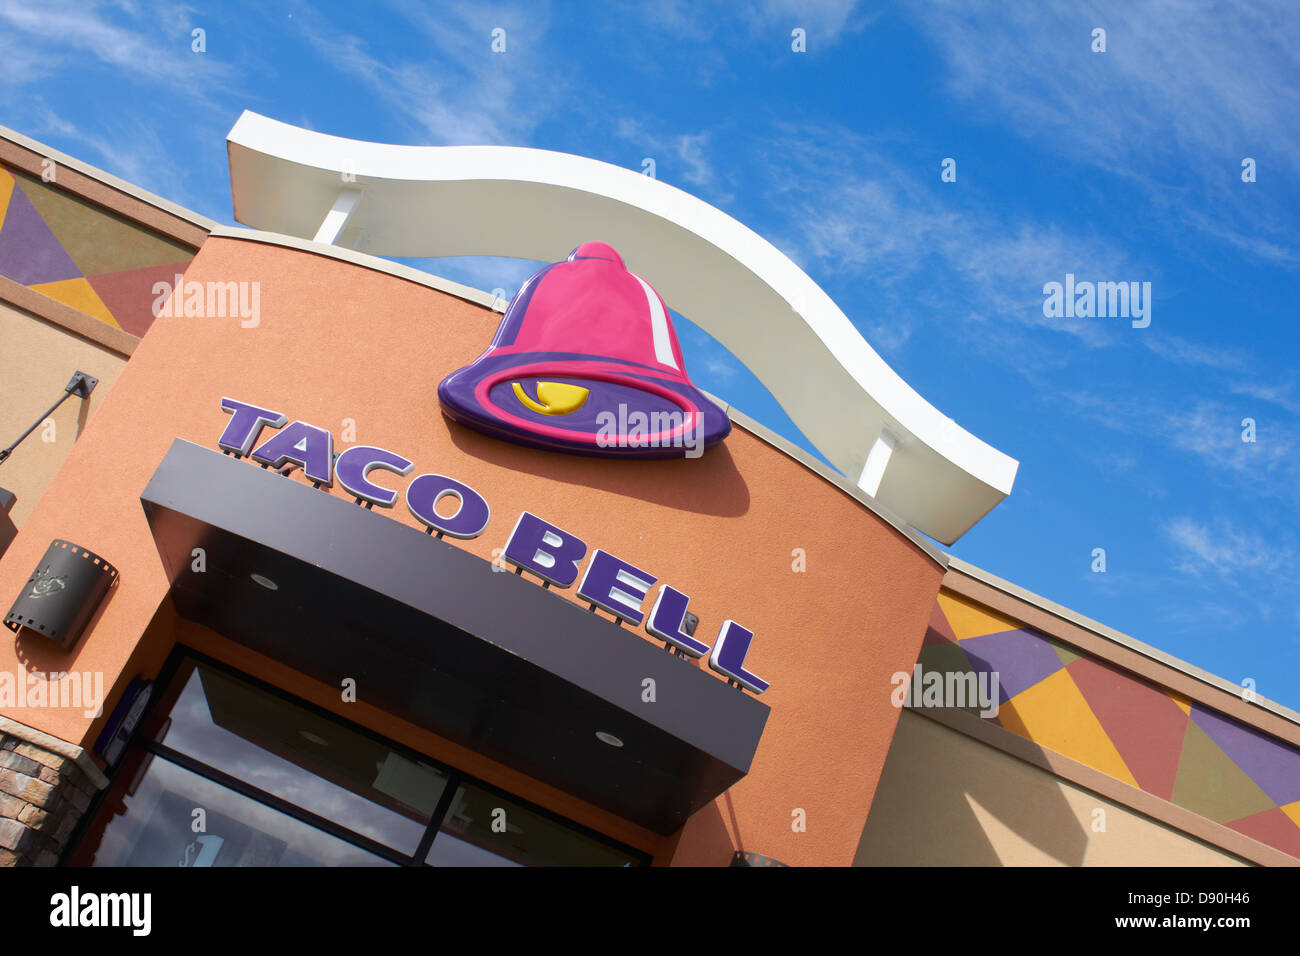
{"points": [[435, 636]]}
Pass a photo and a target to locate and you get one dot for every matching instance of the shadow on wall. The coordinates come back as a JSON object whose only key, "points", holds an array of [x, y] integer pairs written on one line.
{"points": [[83, 416], [710, 484], [711, 843], [922, 814]]}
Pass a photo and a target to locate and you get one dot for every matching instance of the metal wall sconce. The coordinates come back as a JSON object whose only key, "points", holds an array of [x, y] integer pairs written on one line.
{"points": [[63, 593]]}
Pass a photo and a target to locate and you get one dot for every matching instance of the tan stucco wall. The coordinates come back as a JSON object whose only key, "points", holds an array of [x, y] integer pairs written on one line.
{"points": [[945, 799], [39, 359]]}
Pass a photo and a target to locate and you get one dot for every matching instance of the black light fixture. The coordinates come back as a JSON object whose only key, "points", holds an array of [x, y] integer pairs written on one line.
{"points": [[8, 530], [745, 858], [81, 385], [124, 719], [61, 596]]}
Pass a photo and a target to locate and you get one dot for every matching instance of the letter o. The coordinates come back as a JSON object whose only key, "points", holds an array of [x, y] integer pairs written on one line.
{"points": [[470, 519]]}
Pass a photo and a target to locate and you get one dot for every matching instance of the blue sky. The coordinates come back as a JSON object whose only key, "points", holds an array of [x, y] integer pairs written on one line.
{"points": [[1115, 166]]}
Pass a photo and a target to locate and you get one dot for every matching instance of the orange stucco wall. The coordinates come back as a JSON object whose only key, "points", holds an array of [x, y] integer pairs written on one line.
{"points": [[338, 342]]}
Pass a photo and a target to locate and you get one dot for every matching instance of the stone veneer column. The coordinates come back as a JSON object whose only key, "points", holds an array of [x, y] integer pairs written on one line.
{"points": [[45, 786]]}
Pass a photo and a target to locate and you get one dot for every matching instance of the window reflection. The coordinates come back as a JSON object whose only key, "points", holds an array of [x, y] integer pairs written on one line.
{"points": [[155, 826], [160, 813], [302, 757], [483, 829]]}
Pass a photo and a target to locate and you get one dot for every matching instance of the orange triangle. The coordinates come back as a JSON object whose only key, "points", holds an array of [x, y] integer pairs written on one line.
{"points": [[6, 190], [79, 294], [1184, 703], [969, 619], [1054, 714], [1292, 810]]}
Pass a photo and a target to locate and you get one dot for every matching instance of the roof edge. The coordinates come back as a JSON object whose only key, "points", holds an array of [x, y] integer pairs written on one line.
{"points": [[366, 261], [108, 179], [1117, 637]]}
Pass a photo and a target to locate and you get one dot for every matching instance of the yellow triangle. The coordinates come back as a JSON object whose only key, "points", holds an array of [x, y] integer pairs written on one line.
{"points": [[1292, 810], [1054, 714], [79, 294], [1184, 703], [6, 190], [969, 619]]}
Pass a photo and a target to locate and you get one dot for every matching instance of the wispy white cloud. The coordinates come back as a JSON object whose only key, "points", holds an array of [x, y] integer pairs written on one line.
{"points": [[461, 92], [152, 44], [691, 151], [1180, 351], [23, 63], [1181, 76], [719, 368], [1183, 92], [1282, 396], [1224, 548], [853, 215], [1209, 431], [702, 38], [682, 157], [1257, 231], [1270, 463], [825, 22]]}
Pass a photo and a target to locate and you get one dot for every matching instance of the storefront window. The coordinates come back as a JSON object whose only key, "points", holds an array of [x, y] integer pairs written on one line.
{"points": [[307, 759], [483, 829], [229, 773], [157, 828]]}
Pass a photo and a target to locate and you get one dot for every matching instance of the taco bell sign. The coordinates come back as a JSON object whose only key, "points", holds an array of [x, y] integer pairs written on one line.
{"points": [[545, 550], [586, 361]]}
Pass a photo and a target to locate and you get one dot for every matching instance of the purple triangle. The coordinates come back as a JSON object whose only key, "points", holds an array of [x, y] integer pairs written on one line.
{"points": [[29, 252], [1021, 657], [1272, 764]]}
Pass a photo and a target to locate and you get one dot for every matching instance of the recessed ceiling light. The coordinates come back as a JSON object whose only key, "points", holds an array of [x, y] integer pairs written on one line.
{"points": [[610, 739], [314, 738], [264, 582]]}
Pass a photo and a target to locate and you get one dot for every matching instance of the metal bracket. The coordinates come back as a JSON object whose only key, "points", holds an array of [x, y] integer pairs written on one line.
{"points": [[81, 384]]}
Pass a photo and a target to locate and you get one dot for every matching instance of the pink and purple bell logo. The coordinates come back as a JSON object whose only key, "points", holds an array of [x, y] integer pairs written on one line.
{"points": [[586, 361]]}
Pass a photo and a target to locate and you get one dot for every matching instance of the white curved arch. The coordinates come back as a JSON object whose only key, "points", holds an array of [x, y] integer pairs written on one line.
{"points": [[427, 201]]}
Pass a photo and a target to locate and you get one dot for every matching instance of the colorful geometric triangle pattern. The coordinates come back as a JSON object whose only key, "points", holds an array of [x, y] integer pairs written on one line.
{"points": [[76, 253], [1147, 736]]}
